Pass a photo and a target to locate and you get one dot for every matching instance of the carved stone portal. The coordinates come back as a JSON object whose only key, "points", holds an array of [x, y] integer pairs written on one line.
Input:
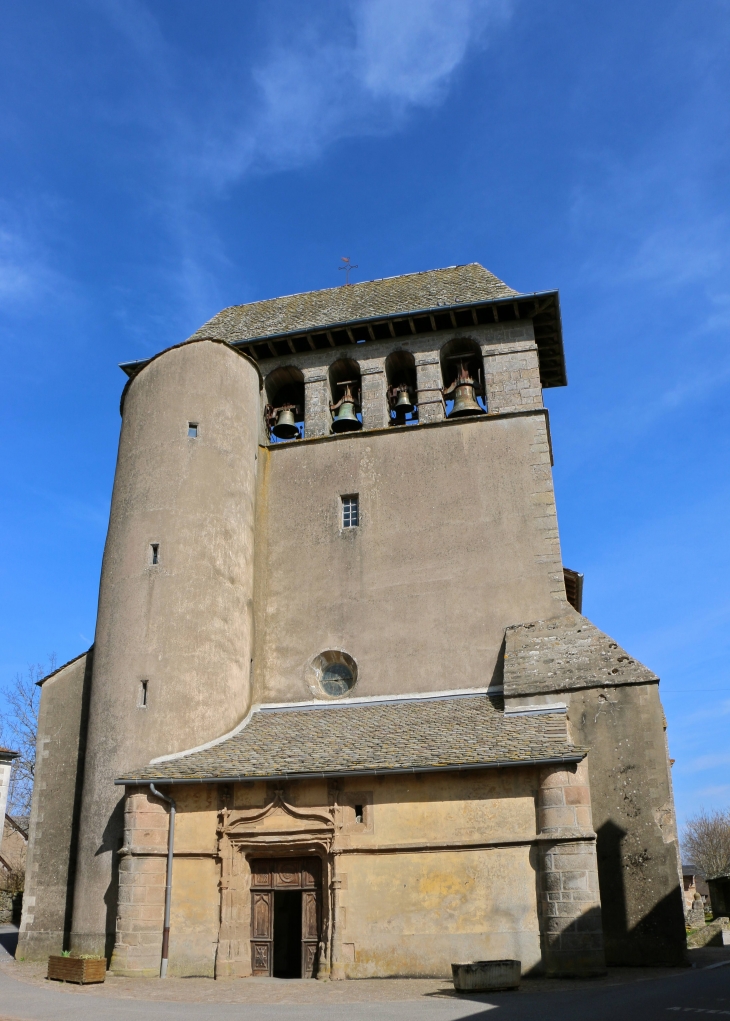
{"points": [[278, 846]]}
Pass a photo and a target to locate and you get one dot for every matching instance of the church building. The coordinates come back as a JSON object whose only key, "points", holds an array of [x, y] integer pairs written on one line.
{"points": [[343, 716]]}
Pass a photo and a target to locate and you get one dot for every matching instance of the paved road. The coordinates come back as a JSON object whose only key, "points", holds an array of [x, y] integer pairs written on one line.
{"points": [[694, 991]]}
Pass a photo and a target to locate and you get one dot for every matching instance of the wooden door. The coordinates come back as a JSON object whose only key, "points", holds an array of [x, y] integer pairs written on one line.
{"points": [[268, 875]]}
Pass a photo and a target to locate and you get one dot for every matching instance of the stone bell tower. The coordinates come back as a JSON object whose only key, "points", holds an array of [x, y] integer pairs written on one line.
{"points": [[174, 635], [333, 510]]}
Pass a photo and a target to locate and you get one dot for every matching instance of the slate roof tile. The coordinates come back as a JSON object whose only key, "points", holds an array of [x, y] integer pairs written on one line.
{"points": [[419, 735], [315, 310]]}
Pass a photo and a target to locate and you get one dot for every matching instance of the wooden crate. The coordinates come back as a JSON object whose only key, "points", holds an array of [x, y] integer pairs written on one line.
{"points": [[76, 969]]}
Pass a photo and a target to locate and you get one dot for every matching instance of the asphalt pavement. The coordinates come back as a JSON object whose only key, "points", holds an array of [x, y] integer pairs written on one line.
{"points": [[699, 990]]}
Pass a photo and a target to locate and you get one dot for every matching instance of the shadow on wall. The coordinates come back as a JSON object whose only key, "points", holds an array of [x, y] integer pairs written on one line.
{"points": [[652, 941], [78, 796], [9, 941], [112, 841]]}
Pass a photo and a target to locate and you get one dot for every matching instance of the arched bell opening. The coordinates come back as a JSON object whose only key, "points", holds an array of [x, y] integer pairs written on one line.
{"points": [[462, 370], [284, 411], [345, 389], [400, 374]]}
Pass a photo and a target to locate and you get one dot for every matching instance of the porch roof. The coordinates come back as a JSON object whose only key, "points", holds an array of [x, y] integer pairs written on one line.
{"points": [[424, 734]]}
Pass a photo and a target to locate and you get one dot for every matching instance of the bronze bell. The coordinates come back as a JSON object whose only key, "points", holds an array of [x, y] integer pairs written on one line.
{"points": [[404, 403], [464, 401], [286, 427], [346, 420]]}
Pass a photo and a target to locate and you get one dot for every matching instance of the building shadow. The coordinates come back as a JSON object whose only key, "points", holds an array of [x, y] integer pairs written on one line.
{"points": [[9, 939], [111, 842], [78, 793], [657, 939]]}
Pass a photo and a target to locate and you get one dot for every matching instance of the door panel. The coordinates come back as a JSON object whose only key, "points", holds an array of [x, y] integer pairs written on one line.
{"points": [[310, 932], [261, 915], [287, 873], [262, 931], [310, 926], [311, 872], [261, 873], [261, 962], [309, 958]]}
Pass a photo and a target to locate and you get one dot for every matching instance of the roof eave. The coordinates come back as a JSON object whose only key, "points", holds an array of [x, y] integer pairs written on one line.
{"points": [[551, 375], [577, 756]]}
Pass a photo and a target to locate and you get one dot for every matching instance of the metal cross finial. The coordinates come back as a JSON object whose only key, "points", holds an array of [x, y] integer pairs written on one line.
{"points": [[347, 267]]}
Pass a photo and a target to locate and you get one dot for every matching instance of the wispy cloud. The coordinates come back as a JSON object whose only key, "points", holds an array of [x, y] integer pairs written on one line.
{"points": [[24, 275], [711, 713], [15, 278], [328, 71], [721, 791], [704, 762], [32, 284], [389, 59]]}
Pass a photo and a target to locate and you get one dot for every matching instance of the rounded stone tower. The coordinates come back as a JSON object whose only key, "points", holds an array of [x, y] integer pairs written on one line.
{"points": [[174, 634]]}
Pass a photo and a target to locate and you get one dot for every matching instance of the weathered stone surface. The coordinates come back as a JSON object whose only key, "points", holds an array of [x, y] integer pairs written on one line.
{"points": [[696, 914], [569, 902], [565, 653], [633, 814], [710, 935]]}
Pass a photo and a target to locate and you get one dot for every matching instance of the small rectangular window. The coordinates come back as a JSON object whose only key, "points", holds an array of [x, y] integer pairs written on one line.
{"points": [[192, 429], [155, 547], [359, 814], [142, 697], [350, 511]]}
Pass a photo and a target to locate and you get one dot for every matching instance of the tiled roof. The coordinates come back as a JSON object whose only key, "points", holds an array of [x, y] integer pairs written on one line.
{"points": [[372, 737], [317, 309], [566, 653]]}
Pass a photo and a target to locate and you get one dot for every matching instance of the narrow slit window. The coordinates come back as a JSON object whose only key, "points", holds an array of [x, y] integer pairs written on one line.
{"points": [[350, 511], [142, 699], [359, 814], [193, 429], [155, 547]]}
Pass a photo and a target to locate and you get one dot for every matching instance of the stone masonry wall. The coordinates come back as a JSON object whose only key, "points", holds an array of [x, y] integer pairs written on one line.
{"points": [[51, 858], [317, 417], [570, 907], [512, 376], [142, 877]]}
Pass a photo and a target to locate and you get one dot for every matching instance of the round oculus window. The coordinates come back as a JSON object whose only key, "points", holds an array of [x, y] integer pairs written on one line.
{"points": [[337, 679], [331, 674]]}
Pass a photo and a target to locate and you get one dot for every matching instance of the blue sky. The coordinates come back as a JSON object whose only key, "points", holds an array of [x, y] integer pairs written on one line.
{"points": [[160, 160]]}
